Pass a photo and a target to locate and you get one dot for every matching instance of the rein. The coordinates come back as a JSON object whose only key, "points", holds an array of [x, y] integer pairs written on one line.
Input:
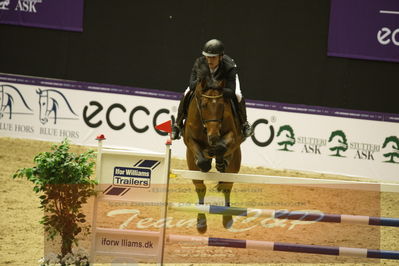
{"points": [[212, 97]]}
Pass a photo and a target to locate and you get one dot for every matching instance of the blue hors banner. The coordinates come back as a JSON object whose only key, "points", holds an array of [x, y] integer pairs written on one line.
{"points": [[51, 14]]}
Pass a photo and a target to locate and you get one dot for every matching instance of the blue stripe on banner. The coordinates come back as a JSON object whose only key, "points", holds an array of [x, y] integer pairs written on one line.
{"points": [[155, 166], [306, 216], [125, 192], [227, 210], [383, 254], [138, 162], [147, 163], [115, 191], [384, 221], [107, 189], [226, 242], [306, 248]]}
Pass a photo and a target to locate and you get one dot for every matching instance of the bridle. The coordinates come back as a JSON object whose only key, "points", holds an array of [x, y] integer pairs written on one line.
{"points": [[45, 95], [204, 122]]}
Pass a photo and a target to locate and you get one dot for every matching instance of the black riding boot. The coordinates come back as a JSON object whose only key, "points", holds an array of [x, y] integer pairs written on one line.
{"points": [[181, 115], [246, 128]]}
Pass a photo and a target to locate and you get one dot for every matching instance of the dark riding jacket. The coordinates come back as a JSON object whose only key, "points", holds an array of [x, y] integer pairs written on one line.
{"points": [[227, 71]]}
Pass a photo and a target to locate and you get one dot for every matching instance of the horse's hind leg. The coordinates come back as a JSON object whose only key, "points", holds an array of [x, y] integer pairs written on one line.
{"points": [[200, 188], [226, 187]]}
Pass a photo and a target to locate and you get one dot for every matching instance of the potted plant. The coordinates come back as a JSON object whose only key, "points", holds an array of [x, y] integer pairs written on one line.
{"points": [[62, 180]]}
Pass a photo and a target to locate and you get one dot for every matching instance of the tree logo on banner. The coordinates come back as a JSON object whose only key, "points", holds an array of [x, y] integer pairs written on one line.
{"points": [[394, 145], [4, 4], [286, 137], [338, 143]]}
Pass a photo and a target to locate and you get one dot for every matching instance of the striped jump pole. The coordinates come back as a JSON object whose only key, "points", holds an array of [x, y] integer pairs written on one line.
{"points": [[279, 246], [281, 214]]}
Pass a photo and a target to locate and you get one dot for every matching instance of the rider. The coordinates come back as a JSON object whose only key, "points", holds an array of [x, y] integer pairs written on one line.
{"points": [[222, 67]]}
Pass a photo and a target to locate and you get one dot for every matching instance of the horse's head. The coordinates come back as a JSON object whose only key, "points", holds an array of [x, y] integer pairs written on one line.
{"points": [[43, 106], [210, 102]]}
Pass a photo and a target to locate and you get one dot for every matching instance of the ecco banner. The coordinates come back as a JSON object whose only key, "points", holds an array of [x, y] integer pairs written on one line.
{"points": [[365, 29], [59, 14], [287, 136]]}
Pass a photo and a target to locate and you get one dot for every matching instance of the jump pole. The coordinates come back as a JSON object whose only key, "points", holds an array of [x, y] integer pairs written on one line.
{"points": [[288, 247], [285, 180], [290, 215]]}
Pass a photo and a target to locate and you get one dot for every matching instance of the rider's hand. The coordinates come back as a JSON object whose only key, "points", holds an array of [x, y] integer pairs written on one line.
{"points": [[228, 93]]}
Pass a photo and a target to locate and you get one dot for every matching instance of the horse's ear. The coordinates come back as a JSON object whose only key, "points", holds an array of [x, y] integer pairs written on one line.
{"points": [[39, 91]]}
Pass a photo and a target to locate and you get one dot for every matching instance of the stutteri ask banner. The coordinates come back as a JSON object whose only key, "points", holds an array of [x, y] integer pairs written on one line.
{"points": [[365, 29], [52, 14]]}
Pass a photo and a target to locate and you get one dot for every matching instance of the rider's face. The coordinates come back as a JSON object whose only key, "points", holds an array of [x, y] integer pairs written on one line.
{"points": [[213, 61]]}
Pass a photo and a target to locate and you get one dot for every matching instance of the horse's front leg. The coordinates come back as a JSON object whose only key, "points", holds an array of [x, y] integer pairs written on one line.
{"points": [[223, 151], [226, 188], [198, 156], [196, 160], [200, 188]]}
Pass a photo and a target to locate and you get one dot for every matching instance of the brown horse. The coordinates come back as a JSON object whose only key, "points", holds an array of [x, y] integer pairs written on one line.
{"points": [[212, 131]]}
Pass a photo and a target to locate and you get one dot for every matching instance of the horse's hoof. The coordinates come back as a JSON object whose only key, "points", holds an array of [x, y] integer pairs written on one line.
{"points": [[204, 165], [220, 149], [201, 223], [221, 168], [227, 221]]}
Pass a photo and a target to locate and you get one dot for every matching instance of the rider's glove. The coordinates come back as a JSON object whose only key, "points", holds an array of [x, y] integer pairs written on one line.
{"points": [[228, 93]]}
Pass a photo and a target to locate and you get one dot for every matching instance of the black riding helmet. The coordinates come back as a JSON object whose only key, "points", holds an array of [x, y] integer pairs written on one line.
{"points": [[213, 48]]}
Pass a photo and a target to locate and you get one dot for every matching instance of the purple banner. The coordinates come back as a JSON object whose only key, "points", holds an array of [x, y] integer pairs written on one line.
{"points": [[52, 14], [366, 29]]}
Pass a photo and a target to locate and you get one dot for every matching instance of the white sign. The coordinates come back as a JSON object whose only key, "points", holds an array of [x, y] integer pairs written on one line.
{"points": [[307, 138]]}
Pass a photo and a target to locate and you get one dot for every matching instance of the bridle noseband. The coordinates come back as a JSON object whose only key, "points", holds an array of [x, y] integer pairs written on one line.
{"points": [[200, 111]]}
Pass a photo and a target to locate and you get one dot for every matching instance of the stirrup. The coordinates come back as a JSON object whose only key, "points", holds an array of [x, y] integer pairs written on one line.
{"points": [[247, 130]]}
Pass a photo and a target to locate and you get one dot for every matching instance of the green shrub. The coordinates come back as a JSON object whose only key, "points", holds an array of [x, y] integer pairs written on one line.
{"points": [[62, 179]]}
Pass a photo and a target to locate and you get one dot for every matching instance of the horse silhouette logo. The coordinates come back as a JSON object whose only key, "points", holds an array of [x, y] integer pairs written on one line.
{"points": [[54, 105], [12, 102], [4, 4]]}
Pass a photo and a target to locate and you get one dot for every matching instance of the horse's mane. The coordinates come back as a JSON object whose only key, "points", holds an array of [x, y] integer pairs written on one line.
{"points": [[204, 73]]}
